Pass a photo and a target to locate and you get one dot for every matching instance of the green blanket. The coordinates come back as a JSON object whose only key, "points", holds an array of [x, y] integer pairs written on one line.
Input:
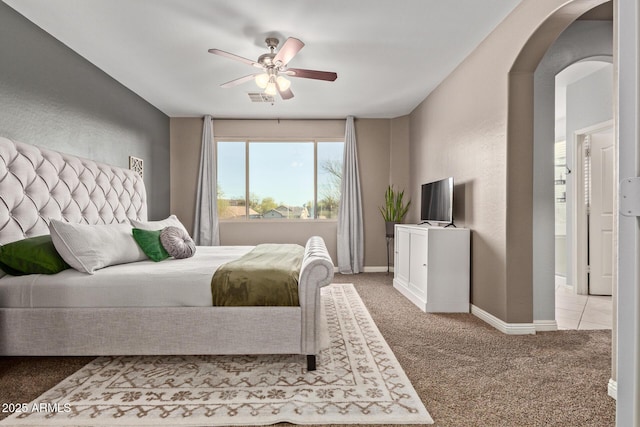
{"points": [[266, 276]]}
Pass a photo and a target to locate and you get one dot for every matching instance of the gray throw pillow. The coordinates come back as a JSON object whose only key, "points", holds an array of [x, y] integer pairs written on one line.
{"points": [[177, 242]]}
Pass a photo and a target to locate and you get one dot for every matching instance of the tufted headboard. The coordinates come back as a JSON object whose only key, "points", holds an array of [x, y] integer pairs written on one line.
{"points": [[37, 184]]}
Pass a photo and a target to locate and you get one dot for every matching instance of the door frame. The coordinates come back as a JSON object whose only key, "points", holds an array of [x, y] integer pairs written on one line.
{"points": [[580, 225]]}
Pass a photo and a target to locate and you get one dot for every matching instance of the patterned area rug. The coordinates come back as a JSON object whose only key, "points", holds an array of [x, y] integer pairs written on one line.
{"points": [[358, 380]]}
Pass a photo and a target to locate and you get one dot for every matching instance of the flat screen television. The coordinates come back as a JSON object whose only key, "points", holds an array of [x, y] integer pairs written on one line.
{"points": [[437, 202]]}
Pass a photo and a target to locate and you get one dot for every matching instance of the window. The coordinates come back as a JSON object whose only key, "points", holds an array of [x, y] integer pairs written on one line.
{"points": [[279, 179], [329, 156]]}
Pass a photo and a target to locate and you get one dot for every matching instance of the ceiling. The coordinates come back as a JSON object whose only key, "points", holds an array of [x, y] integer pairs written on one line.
{"points": [[389, 54]]}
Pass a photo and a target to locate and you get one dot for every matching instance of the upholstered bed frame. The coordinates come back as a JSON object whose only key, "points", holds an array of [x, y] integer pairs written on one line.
{"points": [[37, 184]]}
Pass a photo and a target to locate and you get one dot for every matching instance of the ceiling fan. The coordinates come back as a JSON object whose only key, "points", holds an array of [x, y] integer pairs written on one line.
{"points": [[274, 68]]}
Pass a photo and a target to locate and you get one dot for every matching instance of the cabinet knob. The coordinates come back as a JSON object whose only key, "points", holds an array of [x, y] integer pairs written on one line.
{"points": [[424, 265]]}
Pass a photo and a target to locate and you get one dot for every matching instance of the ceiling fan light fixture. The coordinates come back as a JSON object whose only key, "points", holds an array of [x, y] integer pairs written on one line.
{"points": [[283, 84], [271, 88], [271, 65], [262, 80]]}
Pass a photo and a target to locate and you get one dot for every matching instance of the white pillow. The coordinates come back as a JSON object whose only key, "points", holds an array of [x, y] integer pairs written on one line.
{"points": [[172, 221], [90, 247]]}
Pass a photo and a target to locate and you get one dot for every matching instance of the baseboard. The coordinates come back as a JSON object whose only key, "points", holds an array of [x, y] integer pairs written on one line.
{"points": [[501, 325], [372, 269], [545, 325], [612, 389]]}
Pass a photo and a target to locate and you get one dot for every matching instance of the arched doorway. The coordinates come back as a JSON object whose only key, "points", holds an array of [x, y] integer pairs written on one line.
{"points": [[520, 183], [581, 41], [584, 193]]}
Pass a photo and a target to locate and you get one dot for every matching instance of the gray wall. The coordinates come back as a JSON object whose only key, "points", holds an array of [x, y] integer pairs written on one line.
{"points": [[52, 97], [477, 126], [590, 100]]}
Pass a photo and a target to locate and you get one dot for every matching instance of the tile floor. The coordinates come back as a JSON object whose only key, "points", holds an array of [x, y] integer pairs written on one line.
{"points": [[582, 311]]}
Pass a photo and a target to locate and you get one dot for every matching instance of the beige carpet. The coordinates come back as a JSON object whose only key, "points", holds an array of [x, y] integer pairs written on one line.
{"points": [[358, 380], [466, 372]]}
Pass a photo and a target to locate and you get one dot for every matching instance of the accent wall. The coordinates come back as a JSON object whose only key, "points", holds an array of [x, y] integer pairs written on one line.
{"points": [[52, 97]]}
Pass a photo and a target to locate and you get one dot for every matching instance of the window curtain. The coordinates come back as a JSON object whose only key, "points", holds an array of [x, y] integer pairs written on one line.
{"points": [[206, 231], [350, 228]]}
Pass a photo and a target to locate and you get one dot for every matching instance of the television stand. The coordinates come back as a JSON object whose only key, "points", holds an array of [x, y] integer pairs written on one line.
{"points": [[432, 267]]}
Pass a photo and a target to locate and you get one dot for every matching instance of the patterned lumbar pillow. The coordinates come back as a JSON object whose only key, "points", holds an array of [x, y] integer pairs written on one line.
{"points": [[177, 242]]}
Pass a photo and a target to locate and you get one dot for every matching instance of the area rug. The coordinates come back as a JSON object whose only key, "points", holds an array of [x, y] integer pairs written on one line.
{"points": [[358, 381]]}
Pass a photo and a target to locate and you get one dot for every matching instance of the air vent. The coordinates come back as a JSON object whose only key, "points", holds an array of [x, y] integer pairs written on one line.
{"points": [[261, 97]]}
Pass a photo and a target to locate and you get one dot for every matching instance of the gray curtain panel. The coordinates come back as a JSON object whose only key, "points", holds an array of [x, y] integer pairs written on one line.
{"points": [[205, 230], [350, 228]]}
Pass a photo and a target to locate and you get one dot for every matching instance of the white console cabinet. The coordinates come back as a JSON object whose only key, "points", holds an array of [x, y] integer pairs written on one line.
{"points": [[431, 267]]}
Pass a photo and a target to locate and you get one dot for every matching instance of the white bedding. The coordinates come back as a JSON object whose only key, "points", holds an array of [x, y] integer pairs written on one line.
{"points": [[169, 283]]}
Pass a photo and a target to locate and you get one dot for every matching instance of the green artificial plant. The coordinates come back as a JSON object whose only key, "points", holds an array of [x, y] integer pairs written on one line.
{"points": [[394, 209]]}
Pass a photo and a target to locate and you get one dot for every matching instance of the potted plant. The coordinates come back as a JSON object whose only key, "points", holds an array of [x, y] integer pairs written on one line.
{"points": [[394, 209]]}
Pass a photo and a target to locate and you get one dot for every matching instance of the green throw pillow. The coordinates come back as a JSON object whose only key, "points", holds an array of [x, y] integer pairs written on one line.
{"points": [[149, 242], [34, 255]]}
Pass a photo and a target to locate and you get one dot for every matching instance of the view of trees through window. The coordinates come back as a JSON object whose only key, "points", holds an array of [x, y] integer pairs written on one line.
{"points": [[279, 180]]}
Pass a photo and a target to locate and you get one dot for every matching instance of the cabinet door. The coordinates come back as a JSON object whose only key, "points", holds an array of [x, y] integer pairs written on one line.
{"points": [[418, 264], [401, 261]]}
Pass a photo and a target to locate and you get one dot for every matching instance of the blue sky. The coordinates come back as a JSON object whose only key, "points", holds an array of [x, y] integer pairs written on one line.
{"points": [[282, 170]]}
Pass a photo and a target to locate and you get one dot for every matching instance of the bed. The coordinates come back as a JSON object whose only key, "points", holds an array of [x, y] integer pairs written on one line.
{"points": [[133, 308]]}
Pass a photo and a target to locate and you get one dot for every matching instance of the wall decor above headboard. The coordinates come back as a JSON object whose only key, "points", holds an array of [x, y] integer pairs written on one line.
{"points": [[37, 184]]}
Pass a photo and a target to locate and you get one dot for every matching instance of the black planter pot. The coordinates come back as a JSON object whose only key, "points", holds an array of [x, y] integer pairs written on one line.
{"points": [[390, 226]]}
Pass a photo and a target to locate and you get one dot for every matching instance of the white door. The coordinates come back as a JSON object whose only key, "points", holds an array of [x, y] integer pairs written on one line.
{"points": [[601, 213], [418, 264]]}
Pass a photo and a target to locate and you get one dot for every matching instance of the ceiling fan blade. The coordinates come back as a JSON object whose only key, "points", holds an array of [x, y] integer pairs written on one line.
{"points": [[238, 81], [311, 74], [235, 57], [285, 94], [288, 50]]}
